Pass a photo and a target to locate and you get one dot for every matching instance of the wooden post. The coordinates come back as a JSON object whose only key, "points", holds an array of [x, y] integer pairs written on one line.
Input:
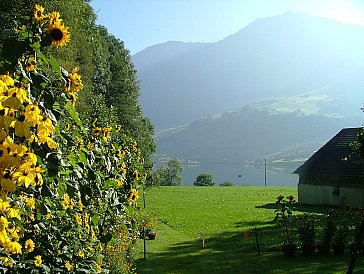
{"points": [[265, 172], [203, 240], [257, 241], [144, 232]]}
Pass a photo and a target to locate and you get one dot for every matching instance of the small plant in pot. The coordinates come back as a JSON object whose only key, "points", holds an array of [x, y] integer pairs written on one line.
{"points": [[306, 233], [324, 245], [339, 242], [152, 235], [285, 218], [151, 231], [149, 221], [342, 230]]}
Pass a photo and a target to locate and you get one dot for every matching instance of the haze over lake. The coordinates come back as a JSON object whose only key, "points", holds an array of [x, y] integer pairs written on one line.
{"points": [[240, 174]]}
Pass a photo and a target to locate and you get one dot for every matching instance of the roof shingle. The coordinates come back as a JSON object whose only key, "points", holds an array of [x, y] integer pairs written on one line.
{"points": [[330, 159]]}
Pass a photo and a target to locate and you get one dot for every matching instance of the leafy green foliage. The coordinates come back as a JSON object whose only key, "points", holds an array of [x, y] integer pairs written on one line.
{"points": [[226, 184], [169, 175], [306, 229], [204, 179], [67, 190], [284, 215], [111, 90], [115, 80]]}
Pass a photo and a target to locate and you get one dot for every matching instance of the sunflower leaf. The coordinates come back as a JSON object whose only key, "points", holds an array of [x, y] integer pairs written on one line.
{"points": [[72, 112], [53, 62]]}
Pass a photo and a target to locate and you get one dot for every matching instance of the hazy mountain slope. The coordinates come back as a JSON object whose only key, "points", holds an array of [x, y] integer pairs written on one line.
{"points": [[258, 130], [276, 56], [156, 55]]}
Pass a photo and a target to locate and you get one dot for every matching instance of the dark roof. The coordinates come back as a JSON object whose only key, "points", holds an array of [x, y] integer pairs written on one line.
{"points": [[329, 159]]}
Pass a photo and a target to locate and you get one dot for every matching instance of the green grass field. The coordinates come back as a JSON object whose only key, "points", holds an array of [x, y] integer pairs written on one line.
{"points": [[223, 214]]}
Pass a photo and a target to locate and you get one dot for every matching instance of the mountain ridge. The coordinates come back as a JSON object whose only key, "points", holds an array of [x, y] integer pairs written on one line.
{"points": [[268, 58], [255, 132]]}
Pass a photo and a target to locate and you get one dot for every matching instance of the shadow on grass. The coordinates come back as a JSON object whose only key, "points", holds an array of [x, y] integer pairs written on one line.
{"points": [[230, 253], [255, 224], [319, 209]]}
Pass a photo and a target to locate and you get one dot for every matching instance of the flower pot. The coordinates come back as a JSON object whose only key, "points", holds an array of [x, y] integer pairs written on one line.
{"points": [[338, 248], [288, 249], [323, 249], [308, 249], [152, 235]]}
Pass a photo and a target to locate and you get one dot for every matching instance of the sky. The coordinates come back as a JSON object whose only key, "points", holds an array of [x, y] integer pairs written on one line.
{"points": [[143, 23]]}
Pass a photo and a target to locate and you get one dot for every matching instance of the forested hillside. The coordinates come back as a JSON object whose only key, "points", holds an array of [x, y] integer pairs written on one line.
{"points": [[111, 87], [278, 129]]}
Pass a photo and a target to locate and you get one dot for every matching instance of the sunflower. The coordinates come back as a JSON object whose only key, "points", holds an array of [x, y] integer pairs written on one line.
{"points": [[38, 261], [38, 14], [133, 195], [97, 131], [76, 82], [59, 34], [54, 19], [68, 265], [29, 245]]}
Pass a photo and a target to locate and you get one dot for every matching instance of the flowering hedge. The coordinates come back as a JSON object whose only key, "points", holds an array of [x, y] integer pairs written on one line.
{"points": [[68, 192]]}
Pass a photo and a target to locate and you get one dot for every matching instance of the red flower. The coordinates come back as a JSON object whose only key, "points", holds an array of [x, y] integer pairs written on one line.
{"points": [[245, 235]]}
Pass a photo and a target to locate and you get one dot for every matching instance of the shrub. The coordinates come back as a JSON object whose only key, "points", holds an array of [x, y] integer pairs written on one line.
{"points": [[306, 229], [226, 184], [204, 179]]}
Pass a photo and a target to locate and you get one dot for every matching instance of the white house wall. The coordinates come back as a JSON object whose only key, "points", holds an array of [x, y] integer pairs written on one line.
{"points": [[323, 195]]}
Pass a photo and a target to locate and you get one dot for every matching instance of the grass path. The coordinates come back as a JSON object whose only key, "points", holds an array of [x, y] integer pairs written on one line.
{"points": [[223, 214]]}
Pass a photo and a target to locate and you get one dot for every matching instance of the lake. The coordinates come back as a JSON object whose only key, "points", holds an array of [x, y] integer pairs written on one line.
{"points": [[240, 174]]}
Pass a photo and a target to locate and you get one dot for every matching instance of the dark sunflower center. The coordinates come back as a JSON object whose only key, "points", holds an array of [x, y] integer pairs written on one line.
{"points": [[39, 13], [21, 118], [56, 35]]}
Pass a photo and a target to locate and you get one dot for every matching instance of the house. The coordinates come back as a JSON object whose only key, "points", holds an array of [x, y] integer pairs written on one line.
{"points": [[330, 176]]}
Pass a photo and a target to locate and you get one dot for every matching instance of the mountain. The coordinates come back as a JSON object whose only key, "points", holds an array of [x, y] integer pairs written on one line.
{"points": [[283, 55], [284, 129], [160, 54]]}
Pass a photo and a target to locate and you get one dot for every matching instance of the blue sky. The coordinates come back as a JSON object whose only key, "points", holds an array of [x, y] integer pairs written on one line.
{"points": [[143, 23]]}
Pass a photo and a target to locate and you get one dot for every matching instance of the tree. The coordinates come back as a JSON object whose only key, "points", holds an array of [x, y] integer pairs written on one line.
{"points": [[116, 82], [170, 175], [111, 90], [204, 179]]}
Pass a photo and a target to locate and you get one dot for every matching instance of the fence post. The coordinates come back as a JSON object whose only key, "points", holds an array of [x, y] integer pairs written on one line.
{"points": [[257, 241], [144, 232], [203, 240]]}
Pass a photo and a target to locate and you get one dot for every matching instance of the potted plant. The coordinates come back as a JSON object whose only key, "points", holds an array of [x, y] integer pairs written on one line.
{"points": [[339, 242], [149, 221], [284, 216], [152, 234], [306, 233], [151, 229], [324, 246]]}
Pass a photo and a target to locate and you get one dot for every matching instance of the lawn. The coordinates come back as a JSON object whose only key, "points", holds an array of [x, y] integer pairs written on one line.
{"points": [[223, 215]]}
